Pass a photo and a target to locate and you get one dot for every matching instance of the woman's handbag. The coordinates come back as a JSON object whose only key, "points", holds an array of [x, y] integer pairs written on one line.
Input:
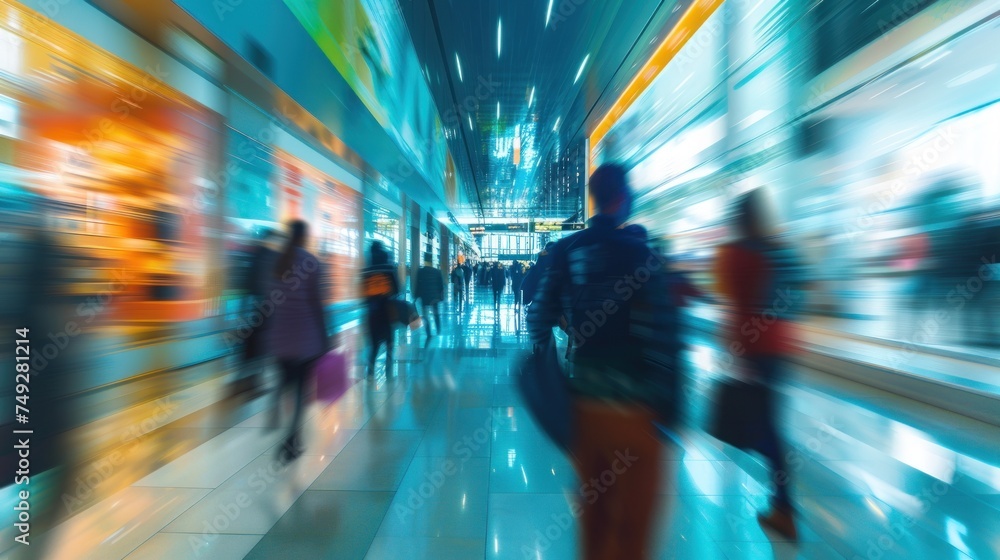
{"points": [[545, 391], [331, 376], [740, 413]]}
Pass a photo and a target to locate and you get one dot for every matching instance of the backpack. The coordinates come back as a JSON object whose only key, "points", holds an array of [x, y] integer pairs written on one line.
{"points": [[376, 283]]}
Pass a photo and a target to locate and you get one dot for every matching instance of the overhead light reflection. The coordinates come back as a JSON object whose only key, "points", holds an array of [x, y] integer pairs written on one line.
{"points": [[580, 71]]}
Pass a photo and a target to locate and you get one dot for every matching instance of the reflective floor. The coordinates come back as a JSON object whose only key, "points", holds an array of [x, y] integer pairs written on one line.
{"points": [[439, 460]]}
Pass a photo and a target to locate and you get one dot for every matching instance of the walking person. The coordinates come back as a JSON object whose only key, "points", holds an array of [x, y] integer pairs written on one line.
{"points": [[623, 378], [498, 280], [747, 275], [298, 335], [380, 286], [459, 287], [430, 291], [468, 278]]}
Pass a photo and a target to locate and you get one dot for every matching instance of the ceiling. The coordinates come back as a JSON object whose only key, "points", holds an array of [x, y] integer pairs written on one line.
{"points": [[553, 75]]}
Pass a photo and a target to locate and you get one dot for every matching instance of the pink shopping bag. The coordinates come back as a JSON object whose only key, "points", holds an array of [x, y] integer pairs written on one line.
{"points": [[331, 376]]}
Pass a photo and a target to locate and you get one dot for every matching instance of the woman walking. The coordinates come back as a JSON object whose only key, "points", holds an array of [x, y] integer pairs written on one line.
{"points": [[298, 334]]}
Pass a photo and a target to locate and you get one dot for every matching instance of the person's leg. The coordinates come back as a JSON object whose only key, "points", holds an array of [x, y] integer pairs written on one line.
{"points": [[587, 461], [437, 316], [427, 319], [373, 344], [638, 477], [299, 371], [781, 516], [389, 343]]}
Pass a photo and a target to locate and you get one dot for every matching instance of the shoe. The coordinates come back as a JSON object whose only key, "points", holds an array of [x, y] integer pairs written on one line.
{"points": [[290, 451], [781, 522]]}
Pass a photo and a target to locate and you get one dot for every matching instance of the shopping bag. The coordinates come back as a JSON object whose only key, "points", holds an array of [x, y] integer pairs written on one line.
{"points": [[331, 376], [405, 314], [546, 393], [740, 413]]}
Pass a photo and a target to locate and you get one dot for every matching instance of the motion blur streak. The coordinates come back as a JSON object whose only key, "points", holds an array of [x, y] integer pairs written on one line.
{"points": [[150, 151]]}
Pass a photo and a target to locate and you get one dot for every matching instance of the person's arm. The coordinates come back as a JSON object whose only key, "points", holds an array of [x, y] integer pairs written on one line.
{"points": [[546, 307]]}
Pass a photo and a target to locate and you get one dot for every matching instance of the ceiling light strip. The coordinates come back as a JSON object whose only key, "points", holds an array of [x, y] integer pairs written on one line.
{"points": [[580, 71], [690, 22]]}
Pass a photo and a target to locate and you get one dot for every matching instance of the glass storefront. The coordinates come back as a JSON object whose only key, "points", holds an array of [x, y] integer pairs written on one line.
{"points": [[123, 163]]}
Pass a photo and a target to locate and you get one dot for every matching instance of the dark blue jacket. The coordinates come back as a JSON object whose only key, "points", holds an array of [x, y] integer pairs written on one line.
{"points": [[615, 295]]}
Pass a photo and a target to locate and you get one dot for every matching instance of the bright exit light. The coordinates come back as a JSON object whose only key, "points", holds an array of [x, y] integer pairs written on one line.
{"points": [[499, 35], [556, 127], [548, 14], [580, 71], [531, 98], [459, 64]]}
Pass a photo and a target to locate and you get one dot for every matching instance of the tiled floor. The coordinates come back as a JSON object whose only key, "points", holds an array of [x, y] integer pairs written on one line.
{"points": [[441, 461]]}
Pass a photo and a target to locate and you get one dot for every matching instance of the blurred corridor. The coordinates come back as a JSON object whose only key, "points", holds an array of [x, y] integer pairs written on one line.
{"points": [[154, 152]]}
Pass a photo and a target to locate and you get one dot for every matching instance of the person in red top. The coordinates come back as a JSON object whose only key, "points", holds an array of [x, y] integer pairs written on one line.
{"points": [[757, 333]]}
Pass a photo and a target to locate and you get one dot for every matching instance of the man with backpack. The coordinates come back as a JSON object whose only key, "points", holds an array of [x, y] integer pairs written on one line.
{"points": [[613, 294], [379, 286]]}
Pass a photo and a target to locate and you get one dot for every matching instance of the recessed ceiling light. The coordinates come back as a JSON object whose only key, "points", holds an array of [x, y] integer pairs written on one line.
{"points": [[498, 110], [499, 36], [470, 121], [548, 14], [531, 98], [971, 76], [580, 71], [459, 64]]}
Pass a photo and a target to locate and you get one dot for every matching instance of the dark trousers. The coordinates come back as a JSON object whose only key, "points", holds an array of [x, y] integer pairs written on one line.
{"points": [[428, 308], [496, 297], [769, 369], [294, 378], [375, 340], [460, 296]]}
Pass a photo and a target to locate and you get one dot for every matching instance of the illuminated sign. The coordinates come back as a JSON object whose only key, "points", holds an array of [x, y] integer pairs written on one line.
{"points": [[533, 227], [550, 227]]}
